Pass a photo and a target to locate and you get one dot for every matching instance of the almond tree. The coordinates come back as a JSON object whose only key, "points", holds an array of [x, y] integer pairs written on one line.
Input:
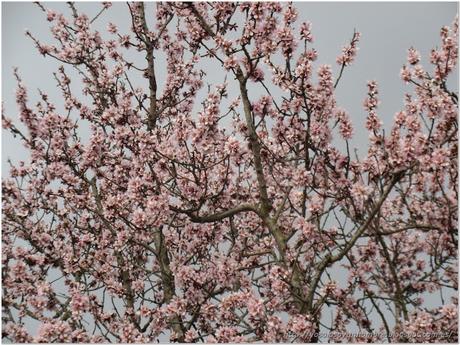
{"points": [[198, 212]]}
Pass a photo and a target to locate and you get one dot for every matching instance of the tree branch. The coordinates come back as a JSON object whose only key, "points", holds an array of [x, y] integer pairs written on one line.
{"points": [[216, 216]]}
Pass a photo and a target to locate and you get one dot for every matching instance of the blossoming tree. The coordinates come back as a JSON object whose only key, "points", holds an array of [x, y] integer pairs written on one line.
{"points": [[191, 215]]}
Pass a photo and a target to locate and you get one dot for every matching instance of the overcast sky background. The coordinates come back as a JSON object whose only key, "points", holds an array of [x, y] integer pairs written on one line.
{"points": [[388, 30]]}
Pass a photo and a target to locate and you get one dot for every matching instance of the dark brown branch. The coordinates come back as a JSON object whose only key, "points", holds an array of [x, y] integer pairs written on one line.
{"points": [[216, 216]]}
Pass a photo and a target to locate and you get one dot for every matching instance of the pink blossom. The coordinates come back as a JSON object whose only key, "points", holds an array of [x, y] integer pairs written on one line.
{"points": [[231, 62], [50, 15], [349, 52], [413, 56], [112, 28], [406, 74], [305, 32], [345, 126]]}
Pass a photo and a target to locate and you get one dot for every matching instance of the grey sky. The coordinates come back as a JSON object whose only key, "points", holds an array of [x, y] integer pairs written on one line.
{"points": [[388, 30]]}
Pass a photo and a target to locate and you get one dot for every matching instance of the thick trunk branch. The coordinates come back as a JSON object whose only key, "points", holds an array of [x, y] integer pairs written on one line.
{"points": [[217, 216]]}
